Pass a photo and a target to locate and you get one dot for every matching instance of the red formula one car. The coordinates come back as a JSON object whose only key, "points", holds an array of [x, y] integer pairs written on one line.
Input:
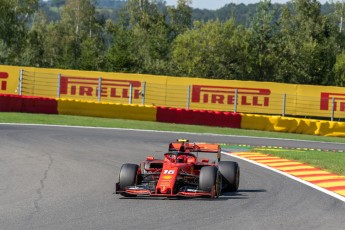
{"points": [[180, 173]]}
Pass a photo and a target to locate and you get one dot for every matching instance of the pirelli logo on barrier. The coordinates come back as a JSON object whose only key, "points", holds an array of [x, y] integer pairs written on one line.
{"points": [[226, 95], [88, 87], [327, 99], [3, 81]]}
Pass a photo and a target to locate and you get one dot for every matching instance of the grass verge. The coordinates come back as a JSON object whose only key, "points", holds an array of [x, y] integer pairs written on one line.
{"points": [[330, 161]]}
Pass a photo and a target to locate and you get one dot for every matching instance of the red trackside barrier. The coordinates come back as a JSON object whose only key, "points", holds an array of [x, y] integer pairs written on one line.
{"points": [[199, 117], [27, 104], [10, 103]]}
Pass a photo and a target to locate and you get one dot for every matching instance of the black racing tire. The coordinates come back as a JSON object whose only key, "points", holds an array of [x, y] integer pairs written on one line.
{"points": [[208, 178], [230, 172], [128, 175]]}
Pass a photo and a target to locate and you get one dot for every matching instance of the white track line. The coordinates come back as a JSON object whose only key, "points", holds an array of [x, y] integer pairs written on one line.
{"points": [[333, 194]]}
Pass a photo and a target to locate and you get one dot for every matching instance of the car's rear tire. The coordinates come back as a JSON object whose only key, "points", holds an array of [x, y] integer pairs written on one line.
{"points": [[208, 178], [128, 177], [230, 172]]}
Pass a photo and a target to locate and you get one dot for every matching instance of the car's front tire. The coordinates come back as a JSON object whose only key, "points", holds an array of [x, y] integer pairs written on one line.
{"points": [[209, 179], [128, 177]]}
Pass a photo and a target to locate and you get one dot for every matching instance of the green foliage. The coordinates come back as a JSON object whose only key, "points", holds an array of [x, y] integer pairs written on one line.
{"points": [[14, 16], [110, 4], [307, 51], [3, 53], [211, 50], [339, 69], [90, 57], [34, 52], [75, 42], [58, 3], [180, 17], [141, 41], [263, 42], [298, 42], [119, 57]]}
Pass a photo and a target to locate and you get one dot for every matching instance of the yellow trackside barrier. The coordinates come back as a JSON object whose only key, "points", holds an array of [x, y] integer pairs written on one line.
{"points": [[293, 125], [107, 110], [332, 129], [177, 92], [288, 125], [257, 122]]}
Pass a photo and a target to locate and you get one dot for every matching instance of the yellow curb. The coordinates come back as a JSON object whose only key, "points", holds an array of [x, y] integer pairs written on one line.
{"points": [[294, 167], [249, 154], [341, 192], [316, 178], [331, 184], [283, 163], [254, 156], [272, 161], [297, 174]]}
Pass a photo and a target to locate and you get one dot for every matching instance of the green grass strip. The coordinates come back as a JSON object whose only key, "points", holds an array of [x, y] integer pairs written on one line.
{"points": [[327, 160], [331, 161]]}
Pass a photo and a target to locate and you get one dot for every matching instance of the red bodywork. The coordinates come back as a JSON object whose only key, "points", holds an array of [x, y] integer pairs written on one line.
{"points": [[169, 176]]}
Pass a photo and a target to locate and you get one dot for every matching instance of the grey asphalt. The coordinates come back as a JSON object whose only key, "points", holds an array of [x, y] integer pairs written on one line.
{"points": [[63, 178]]}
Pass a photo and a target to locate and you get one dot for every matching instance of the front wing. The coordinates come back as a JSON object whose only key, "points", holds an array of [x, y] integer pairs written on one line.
{"points": [[184, 192]]}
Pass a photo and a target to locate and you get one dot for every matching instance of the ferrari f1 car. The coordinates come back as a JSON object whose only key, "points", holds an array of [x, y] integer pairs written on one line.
{"points": [[180, 173]]}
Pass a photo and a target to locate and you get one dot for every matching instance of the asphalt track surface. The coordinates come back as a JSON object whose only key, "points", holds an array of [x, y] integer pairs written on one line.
{"points": [[63, 178]]}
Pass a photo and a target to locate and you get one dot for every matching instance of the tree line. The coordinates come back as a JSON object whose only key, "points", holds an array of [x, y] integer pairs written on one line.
{"points": [[293, 43]]}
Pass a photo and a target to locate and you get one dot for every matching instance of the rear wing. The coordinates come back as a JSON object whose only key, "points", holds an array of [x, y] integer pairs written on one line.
{"points": [[186, 146]]}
